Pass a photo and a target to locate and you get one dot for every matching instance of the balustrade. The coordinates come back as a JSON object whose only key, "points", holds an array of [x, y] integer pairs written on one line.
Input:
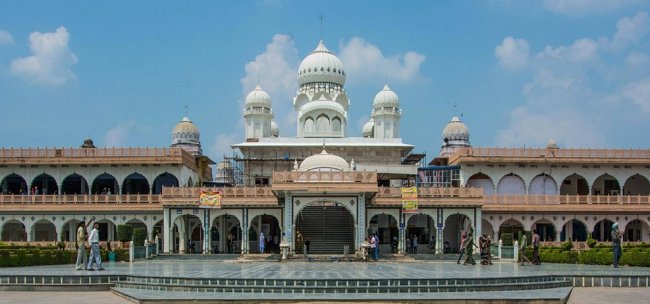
{"points": [[96, 199], [568, 199], [542, 152]]}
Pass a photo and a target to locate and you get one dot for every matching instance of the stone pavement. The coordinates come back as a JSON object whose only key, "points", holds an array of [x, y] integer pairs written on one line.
{"points": [[324, 270]]}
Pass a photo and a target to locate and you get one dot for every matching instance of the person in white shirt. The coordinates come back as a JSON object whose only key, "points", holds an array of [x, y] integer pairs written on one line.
{"points": [[95, 256]]}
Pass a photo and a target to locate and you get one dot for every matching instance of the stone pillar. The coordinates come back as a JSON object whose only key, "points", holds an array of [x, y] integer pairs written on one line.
{"points": [[478, 218], [361, 221], [72, 232], [244, 237], [516, 253], [439, 239], [288, 222], [168, 231], [206, 231], [602, 231], [401, 248], [182, 237], [557, 235]]}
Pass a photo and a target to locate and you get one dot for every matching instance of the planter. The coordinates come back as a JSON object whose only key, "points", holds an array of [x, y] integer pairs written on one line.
{"points": [[112, 256]]}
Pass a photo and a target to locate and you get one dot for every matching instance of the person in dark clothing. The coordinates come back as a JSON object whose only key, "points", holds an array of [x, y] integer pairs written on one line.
{"points": [[616, 245]]}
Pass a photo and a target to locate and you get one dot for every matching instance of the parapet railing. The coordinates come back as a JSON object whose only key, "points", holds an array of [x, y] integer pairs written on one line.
{"points": [[95, 199], [226, 191], [89, 152], [568, 199], [325, 177], [545, 152], [461, 192]]}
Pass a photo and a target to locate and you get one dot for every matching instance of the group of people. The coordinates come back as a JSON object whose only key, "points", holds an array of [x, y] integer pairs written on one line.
{"points": [[412, 243], [93, 241], [467, 247], [270, 244]]}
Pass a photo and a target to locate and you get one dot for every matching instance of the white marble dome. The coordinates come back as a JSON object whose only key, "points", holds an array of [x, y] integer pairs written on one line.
{"points": [[386, 98], [321, 65], [368, 128], [324, 162], [258, 98], [455, 130], [185, 132], [275, 130]]}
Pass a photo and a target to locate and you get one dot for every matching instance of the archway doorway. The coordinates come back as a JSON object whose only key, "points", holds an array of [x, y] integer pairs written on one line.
{"points": [[45, 184], [44, 231], [545, 230], [14, 231], [603, 231], [385, 225], [419, 230], [326, 226], [636, 231], [268, 225], [575, 230], [636, 185], [135, 183], [74, 184], [164, 180], [455, 225], [574, 184], [13, 184], [509, 231], [105, 184], [226, 235]]}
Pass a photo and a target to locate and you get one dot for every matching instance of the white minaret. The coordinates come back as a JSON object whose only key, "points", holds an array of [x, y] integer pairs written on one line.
{"points": [[321, 102], [386, 114], [257, 114]]}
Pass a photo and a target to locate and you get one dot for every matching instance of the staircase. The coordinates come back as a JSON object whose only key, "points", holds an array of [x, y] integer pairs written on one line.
{"points": [[327, 227]]}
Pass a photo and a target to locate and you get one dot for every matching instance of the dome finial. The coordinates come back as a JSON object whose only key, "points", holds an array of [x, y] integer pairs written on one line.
{"points": [[186, 109], [323, 145], [321, 26]]}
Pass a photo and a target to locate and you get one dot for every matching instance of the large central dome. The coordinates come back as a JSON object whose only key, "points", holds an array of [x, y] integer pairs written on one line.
{"points": [[324, 162], [321, 65]]}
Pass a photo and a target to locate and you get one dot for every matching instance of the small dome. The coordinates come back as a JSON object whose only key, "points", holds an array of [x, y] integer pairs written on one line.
{"points": [[258, 98], [324, 162], [386, 98], [321, 65], [88, 144], [275, 130], [224, 165], [368, 128], [455, 131], [185, 132], [551, 144]]}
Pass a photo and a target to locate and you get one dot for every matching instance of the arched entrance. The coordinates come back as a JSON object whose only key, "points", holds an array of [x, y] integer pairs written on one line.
{"points": [[636, 185], [326, 226], [105, 184], [420, 228], [268, 225], [636, 231], [509, 231], [606, 185], [455, 225], [135, 183], [480, 180], [542, 184], [74, 184], [574, 184], [14, 231], [574, 229], [545, 230], [44, 231], [13, 184], [45, 184], [385, 225], [603, 231], [107, 230], [226, 234], [164, 180], [188, 234], [511, 184]]}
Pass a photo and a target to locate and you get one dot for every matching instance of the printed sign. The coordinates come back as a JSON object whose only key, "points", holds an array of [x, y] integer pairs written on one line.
{"points": [[409, 200], [210, 199]]}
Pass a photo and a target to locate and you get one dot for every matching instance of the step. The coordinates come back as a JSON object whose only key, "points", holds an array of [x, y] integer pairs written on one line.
{"points": [[542, 296]]}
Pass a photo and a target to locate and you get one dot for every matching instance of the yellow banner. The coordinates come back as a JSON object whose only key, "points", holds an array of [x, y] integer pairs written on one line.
{"points": [[409, 206], [409, 200], [210, 199], [409, 193]]}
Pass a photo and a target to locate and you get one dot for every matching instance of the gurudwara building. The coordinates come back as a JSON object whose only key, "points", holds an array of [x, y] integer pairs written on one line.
{"points": [[322, 186]]}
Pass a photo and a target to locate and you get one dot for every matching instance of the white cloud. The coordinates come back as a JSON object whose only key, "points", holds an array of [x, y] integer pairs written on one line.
{"points": [[222, 142], [587, 7], [117, 136], [51, 62], [576, 86], [365, 63], [639, 93], [630, 30], [277, 69], [512, 53], [6, 38]]}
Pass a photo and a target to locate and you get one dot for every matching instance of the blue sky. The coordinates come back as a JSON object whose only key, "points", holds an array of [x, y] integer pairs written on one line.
{"points": [[520, 72]]}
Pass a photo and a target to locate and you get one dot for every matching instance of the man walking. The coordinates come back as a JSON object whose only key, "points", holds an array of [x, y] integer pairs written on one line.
{"points": [[463, 237], [262, 242], [522, 249], [536, 260], [95, 256], [81, 245], [616, 244]]}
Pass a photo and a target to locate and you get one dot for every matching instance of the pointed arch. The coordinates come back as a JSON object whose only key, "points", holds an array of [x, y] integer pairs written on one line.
{"points": [[574, 184], [105, 184], [636, 184], [74, 184], [511, 184], [542, 184], [481, 180], [13, 184], [135, 183], [45, 184], [164, 180], [606, 185]]}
